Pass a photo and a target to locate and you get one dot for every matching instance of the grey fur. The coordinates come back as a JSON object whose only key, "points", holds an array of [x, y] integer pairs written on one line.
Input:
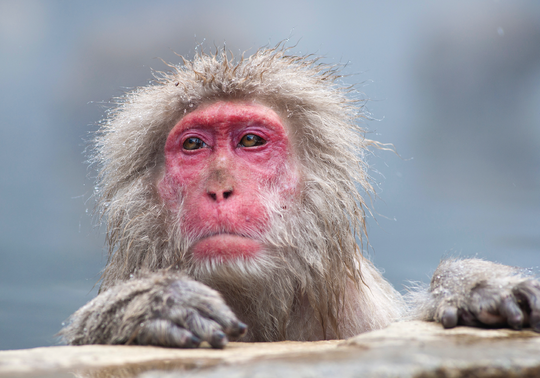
{"points": [[131, 313], [312, 284], [475, 292]]}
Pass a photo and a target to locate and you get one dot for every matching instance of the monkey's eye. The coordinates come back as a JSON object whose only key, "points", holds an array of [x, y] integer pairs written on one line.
{"points": [[251, 140], [193, 144]]}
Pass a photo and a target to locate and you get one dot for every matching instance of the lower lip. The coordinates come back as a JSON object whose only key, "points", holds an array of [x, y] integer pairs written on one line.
{"points": [[225, 247]]}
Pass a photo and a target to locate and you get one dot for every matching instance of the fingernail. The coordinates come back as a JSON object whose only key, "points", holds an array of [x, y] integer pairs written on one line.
{"points": [[219, 340], [194, 342], [242, 328], [517, 327], [449, 318]]}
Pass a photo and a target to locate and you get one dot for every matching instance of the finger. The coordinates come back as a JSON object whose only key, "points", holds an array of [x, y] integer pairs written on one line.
{"points": [[467, 318], [529, 293], [219, 312], [238, 330], [534, 321], [449, 317], [511, 311], [162, 332], [204, 328], [209, 303], [488, 307]]}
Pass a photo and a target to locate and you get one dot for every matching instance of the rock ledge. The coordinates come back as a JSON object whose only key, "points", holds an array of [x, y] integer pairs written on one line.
{"points": [[407, 349]]}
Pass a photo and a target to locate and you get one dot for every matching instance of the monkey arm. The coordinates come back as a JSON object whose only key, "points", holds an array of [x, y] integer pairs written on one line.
{"points": [[166, 309], [475, 292]]}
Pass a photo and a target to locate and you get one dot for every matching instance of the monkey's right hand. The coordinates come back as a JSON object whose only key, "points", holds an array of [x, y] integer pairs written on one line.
{"points": [[162, 309]]}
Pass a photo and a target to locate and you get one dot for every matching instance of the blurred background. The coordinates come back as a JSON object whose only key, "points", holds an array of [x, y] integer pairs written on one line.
{"points": [[454, 85]]}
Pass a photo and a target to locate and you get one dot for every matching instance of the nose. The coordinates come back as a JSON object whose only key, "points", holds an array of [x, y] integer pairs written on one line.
{"points": [[219, 195], [220, 185]]}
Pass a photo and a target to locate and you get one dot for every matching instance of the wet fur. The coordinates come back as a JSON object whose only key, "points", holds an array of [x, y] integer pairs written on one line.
{"points": [[313, 276], [311, 282]]}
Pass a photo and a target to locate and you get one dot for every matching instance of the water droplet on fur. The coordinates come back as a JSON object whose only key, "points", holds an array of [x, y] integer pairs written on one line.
{"points": [[63, 324], [190, 105], [131, 276]]}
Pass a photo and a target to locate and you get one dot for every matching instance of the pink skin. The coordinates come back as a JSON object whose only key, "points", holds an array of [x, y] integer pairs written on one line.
{"points": [[220, 180]]}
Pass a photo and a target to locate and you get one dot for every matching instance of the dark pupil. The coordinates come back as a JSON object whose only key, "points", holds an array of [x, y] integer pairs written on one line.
{"points": [[193, 143]]}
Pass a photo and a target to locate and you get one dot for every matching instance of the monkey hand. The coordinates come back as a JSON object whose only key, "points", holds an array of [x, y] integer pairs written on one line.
{"points": [[162, 309], [479, 293]]}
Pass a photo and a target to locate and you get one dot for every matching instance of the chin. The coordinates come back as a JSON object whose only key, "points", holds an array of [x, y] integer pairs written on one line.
{"points": [[217, 264]]}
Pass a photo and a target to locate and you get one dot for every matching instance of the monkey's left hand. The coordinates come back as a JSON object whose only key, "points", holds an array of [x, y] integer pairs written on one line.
{"points": [[480, 293]]}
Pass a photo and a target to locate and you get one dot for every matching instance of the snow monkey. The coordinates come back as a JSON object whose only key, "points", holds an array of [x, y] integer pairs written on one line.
{"points": [[233, 193]]}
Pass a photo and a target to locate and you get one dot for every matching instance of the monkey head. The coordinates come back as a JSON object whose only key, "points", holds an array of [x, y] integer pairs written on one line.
{"points": [[246, 174]]}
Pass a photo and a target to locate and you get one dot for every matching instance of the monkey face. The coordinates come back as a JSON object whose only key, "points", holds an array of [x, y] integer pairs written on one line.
{"points": [[221, 161]]}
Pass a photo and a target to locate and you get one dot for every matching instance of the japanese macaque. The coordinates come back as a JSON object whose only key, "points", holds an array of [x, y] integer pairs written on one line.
{"points": [[233, 193]]}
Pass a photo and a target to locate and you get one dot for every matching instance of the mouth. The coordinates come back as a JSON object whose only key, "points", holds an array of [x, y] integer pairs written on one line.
{"points": [[225, 247]]}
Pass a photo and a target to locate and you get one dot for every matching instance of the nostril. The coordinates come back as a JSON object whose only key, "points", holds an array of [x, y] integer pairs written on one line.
{"points": [[219, 195]]}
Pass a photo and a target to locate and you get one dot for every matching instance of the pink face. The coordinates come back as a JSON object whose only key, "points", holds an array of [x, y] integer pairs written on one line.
{"points": [[219, 159]]}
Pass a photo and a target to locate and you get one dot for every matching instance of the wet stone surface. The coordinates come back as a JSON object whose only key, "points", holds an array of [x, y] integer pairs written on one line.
{"points": [[408, 349]]}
